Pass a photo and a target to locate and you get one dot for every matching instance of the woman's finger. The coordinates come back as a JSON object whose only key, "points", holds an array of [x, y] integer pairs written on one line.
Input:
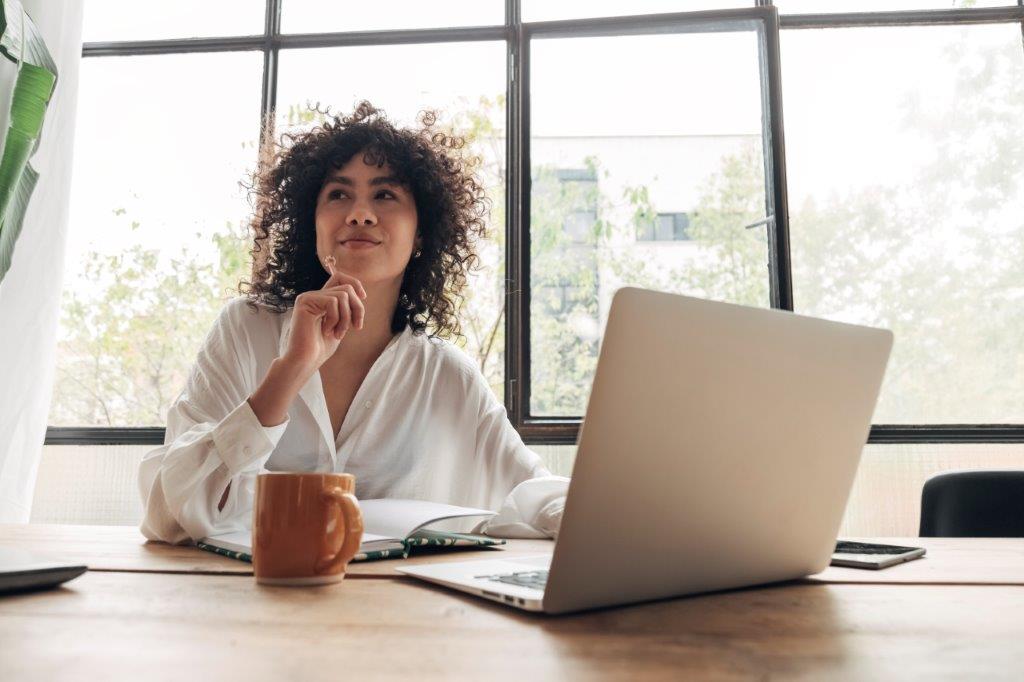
{"points": [[333, 313], [358, 311], [344, 314], [355, 304], [340, 277]]}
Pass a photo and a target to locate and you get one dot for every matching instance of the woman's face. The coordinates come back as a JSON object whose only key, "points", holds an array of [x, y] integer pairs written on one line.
{"points": [[367, 221]]}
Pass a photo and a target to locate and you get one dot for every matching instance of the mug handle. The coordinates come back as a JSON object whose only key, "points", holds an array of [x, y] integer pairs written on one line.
{"points": [[353, 516]]}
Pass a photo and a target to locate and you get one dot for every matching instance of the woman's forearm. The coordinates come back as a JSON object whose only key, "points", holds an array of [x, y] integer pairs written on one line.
{"points": [[270, 401]]}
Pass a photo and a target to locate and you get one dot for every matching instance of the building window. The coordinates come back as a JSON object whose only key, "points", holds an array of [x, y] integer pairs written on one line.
{"points": [[666, 227]]}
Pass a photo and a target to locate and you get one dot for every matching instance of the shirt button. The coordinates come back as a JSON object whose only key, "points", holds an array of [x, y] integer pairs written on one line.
{"points": [[247, 450], [368, 403]]}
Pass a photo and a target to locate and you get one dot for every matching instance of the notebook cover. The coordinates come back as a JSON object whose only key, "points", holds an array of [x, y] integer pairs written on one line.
{"points": [[437, 538], [422, 538], [361, 556], [241, 556]]}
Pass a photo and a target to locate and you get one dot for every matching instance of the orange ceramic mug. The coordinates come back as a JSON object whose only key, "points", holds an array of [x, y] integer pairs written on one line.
{"points": [[306, 527]]}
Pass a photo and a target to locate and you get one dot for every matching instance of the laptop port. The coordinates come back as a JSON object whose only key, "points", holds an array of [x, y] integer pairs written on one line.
{"points": [[509, 599], [491, 594]]}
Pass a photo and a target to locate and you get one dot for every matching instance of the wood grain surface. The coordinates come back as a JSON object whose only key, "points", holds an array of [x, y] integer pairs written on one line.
{"points": [[172, 627], [964, 561]]}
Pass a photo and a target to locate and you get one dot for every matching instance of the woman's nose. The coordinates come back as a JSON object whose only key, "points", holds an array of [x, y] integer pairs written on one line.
{"points": [[361, 215]]}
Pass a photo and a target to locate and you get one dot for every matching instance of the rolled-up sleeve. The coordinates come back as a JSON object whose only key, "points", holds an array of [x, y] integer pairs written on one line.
{"points": [[213, 440]]}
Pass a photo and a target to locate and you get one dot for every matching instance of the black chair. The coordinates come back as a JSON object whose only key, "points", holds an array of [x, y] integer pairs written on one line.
{"points": [[988, 504]]}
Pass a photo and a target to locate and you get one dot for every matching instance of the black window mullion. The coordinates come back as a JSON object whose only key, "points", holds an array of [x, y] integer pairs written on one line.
{"points": [[909, 434], [1020, 3], [921, 17], [171, 46], [517, 198], [564, 432], [271, 30], [104, 435], [773, 143]]}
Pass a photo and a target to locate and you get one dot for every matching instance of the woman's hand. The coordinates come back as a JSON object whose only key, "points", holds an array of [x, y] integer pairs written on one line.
{"points": [[322, 318]]}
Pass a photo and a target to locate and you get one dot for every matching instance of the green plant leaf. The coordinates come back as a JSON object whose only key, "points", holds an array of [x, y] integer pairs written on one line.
{"points": [[22, 44]]}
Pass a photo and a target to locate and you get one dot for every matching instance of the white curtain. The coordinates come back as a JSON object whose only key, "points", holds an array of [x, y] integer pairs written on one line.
{"points": [[30, 292]]}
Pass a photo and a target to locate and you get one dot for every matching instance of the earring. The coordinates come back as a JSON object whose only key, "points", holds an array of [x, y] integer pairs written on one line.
{"points": [[417, 254]]}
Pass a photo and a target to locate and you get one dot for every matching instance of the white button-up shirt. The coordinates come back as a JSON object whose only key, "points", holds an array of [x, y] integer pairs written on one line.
{"points": [[423, 425]]}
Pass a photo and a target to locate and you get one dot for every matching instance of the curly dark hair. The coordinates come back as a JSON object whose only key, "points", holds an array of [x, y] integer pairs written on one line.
{"points": [[451, 206]]}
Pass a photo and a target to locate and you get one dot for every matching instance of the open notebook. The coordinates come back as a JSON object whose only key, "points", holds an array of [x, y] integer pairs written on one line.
{"points": [[391, 529]]}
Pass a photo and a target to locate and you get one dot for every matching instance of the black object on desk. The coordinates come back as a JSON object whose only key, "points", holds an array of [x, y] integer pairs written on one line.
{"points": [[873, 556], [21, 571]]}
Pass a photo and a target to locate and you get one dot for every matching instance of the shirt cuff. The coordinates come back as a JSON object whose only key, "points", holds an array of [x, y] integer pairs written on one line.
{"points": [[532, 510], [274, 433], [241, 439]]}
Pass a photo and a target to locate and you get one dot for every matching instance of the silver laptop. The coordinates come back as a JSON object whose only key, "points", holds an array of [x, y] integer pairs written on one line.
{"points": [[718, 450]]}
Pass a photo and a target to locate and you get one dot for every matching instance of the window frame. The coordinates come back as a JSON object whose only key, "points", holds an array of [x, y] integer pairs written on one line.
{"points": [[517, 36]]}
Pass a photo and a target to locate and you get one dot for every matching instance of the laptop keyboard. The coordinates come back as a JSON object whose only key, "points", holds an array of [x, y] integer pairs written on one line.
{"points": [[532, 579]]}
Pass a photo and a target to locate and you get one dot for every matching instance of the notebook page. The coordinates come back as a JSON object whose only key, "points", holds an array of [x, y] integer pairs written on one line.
{"points": [[399, 518]]}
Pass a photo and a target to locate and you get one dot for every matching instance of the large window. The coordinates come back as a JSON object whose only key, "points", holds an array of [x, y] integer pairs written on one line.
{"points": [[648, 150]]}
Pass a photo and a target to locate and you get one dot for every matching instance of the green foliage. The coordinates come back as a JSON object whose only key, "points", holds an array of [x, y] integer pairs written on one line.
{"points": [[22, 45], [126, 349]]}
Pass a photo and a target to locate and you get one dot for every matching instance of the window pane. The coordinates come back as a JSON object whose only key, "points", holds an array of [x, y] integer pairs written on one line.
{"points": [[666, 228], [105, 20], [650, 145], [832, 6], [905, 169], [316, 16], [157, 230], [466, 83], [546, 10]]}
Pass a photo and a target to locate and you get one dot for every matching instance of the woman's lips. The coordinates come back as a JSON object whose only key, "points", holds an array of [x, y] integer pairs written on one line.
{"points": [[359, 244]]}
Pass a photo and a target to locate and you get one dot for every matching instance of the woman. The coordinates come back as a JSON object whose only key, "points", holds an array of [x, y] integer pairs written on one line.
{"points": [[364, 235]]}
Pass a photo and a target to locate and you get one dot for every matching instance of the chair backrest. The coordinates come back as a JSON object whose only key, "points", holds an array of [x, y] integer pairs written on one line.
{"points": [[973, 504]]}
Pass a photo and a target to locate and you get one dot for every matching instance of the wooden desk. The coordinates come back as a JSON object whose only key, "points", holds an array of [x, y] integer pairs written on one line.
{"points": [[162, 612], [114, 548], [157, 626], [960, 561]]}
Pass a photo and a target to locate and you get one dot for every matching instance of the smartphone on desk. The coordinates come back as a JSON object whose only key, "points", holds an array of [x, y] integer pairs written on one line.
{"points": [[870, 555]]}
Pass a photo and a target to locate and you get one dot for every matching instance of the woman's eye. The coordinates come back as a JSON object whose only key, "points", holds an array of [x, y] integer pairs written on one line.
{"points": [[383, 194], [334, 194]]}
